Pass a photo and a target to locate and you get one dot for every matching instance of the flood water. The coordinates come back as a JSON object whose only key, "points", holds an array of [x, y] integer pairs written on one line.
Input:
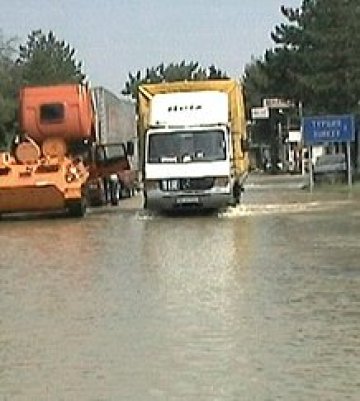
{"points": [[257, 303]]}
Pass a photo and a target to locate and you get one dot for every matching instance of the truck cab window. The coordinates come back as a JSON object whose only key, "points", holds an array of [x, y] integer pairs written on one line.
{"points": [[52, 113]]}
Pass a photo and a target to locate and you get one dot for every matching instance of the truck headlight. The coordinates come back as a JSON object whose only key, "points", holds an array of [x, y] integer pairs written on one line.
{"points": [[151, 185], [221, 181]]}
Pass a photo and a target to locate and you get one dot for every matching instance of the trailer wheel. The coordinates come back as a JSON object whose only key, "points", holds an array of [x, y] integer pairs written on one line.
{"points": [[115, 192], [127, 193]]}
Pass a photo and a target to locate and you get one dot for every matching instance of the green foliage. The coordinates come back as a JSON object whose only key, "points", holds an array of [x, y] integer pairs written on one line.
{"points": [[169, 73], [46, 60], [42, 60], [9, 84], [256, 83], [315, 59]]}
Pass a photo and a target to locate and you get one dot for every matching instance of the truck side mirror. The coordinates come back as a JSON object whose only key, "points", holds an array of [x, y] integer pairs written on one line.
{"points": [[130, 148], [244, 143]]}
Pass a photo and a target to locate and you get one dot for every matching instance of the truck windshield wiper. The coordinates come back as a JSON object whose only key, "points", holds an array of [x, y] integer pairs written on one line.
{"points": [[186, 158], [168, 159]]}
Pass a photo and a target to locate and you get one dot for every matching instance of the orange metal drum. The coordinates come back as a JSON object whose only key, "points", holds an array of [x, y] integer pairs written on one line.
{"points": [[57, 111]]}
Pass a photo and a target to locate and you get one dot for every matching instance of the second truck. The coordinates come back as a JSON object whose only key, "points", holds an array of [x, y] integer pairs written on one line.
{"points": [[193, 144]]}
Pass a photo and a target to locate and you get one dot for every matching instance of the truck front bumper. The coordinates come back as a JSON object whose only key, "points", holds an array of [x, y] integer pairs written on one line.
{"points": [[159, 200]]}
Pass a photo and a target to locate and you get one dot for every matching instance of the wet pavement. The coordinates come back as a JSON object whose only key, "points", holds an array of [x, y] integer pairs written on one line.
{"points": [[260, 302]]}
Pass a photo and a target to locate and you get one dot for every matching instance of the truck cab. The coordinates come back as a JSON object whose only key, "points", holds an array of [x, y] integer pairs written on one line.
{"points": [[188, 166]]}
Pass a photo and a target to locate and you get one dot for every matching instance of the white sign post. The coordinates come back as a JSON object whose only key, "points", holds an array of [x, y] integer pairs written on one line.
{"points": [[349, 171], [260, 113], [277, 103]]}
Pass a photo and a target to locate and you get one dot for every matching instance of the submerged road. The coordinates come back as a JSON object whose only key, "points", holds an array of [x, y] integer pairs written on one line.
{"points": [[260, 302]]}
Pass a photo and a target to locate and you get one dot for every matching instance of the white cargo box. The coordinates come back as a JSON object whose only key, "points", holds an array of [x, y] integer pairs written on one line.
{"points": [[116, 118], [189, 109]]}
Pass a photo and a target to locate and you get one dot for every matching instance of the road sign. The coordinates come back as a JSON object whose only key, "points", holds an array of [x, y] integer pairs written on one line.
{"points": [[294, 136], [322, 129], [258, 113], [277, 103]]}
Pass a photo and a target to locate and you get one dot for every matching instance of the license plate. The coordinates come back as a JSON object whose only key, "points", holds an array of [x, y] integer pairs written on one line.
{"points": [[187, 199]]}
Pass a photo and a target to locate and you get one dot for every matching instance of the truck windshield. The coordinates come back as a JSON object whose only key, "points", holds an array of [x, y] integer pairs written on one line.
{"points": [[185, 146]]}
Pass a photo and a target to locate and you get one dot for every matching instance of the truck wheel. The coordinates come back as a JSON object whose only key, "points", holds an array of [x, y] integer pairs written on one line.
{"points": [[115, 192], [232, 202], [77, 208], [145, 203], [237, 193], [127, 193]]}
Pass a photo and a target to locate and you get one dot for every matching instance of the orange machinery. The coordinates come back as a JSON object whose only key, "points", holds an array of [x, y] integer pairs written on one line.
{"points": [[44, 170]]}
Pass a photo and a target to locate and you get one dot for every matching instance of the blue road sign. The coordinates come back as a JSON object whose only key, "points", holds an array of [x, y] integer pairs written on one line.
{"points": [[321, 129]]}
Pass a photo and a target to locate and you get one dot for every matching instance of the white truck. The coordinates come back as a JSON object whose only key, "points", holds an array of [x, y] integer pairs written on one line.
{"points": [[193, 144]]}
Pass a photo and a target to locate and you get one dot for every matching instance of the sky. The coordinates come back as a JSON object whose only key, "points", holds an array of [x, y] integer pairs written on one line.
{"points": [[115, 37]]}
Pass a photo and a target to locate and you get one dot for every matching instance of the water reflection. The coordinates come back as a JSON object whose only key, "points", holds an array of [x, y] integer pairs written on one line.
{"points": [[117, 306], [198, 267]]}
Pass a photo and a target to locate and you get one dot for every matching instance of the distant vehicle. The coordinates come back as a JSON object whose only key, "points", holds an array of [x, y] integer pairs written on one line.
{"points": [[193, 144], [113, 167], [316, 152], [330, 168]]}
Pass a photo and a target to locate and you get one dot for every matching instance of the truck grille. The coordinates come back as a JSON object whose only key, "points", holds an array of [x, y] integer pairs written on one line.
{"points": [[196, 183]]}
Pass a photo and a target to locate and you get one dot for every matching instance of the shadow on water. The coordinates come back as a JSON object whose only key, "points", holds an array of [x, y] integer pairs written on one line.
{"points": [[189, 212], [35, 216]]}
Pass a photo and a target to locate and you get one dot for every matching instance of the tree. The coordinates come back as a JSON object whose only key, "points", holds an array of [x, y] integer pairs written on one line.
{"points": [[316, 55], [315, 58], [9, 84], [46, 60], [333, 64], [182, 71], [256, 83]]}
